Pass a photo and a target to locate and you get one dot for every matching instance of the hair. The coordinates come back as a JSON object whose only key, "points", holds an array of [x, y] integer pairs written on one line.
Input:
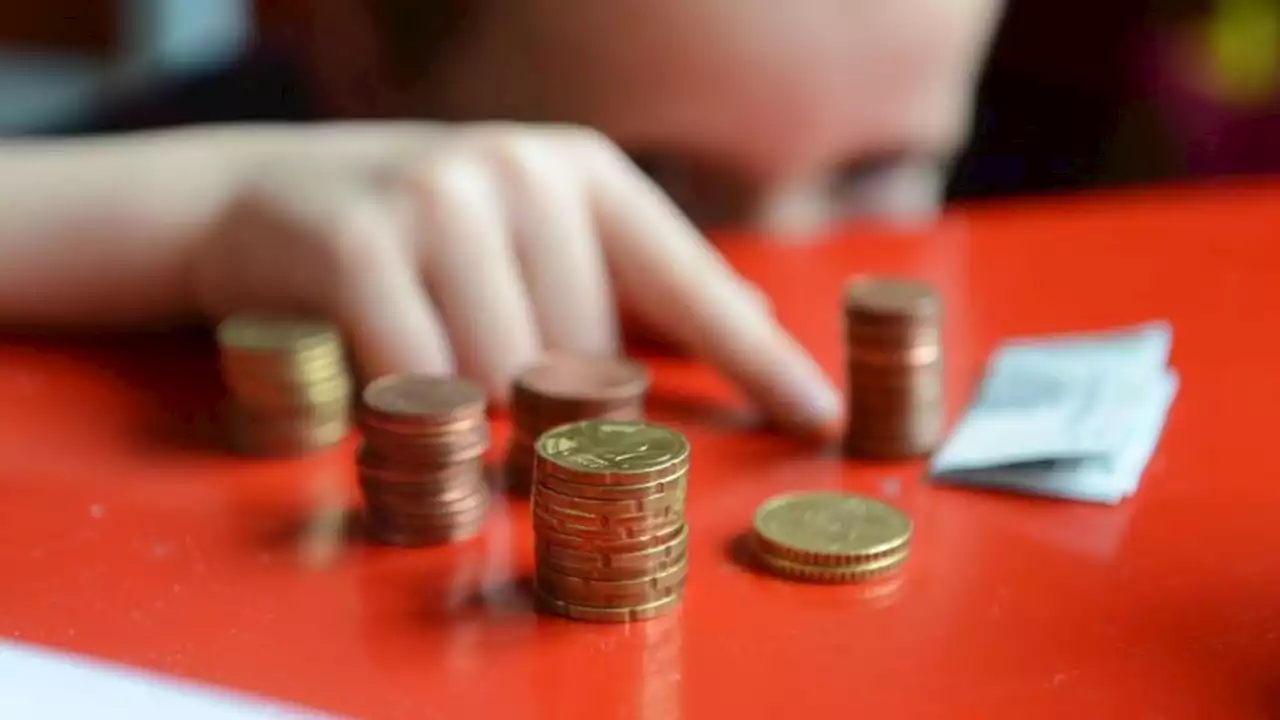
{"points": [[415, 34]]}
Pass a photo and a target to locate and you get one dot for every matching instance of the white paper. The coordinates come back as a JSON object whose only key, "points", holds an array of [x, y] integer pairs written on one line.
{"points": [[42, 684]]}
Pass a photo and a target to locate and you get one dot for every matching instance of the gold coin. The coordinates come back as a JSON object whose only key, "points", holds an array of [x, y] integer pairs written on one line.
{"points": [[600, 543], [608, 615], [615, 493], [553, 502], [610, 593], [612, 566], [613, 452], [275, 333], [829, 528], [832, 573]]}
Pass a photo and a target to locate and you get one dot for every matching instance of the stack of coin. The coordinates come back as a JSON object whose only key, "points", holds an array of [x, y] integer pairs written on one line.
{"points": [[567, 388], [830, 537], [290, 389], [894, 353], [421, 464], [608, 520]]}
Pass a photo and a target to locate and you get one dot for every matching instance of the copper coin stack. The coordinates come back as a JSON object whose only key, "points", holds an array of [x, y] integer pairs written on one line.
{"points": [[289, 384], [567, 388], [894, 353], [421, 463], [608, 520]]}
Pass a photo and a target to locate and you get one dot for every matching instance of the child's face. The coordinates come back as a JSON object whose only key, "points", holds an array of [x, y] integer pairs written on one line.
{"points": [[778, 115]]}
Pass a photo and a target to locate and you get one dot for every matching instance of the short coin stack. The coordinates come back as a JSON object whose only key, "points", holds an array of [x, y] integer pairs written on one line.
{"points": [[830, 537], [421, 463], [608, 520], [894, 352], [290, 388], [567, 388]]}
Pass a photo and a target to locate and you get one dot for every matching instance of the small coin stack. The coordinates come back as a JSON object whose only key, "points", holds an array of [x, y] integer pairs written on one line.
{"points": [[608, 520], [894, 353], [290, 388], [830, 537], [567, 388], [421, 464]]}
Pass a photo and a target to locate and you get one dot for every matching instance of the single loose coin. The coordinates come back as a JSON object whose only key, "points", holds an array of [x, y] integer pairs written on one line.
{"points": [[562, 376], [828, 528], [886, 297], [266, 333], [612, 453], [421, 397], [868, 570]]}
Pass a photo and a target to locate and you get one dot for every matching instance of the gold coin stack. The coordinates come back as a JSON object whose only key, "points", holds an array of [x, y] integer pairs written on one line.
{"points": [[830, 537], [894, 353], [421, 464], [608, 520], [289, 384], [568, 388]]}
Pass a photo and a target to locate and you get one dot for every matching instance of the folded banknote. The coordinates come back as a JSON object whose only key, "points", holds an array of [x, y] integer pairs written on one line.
{"points": [[1071, 416]]}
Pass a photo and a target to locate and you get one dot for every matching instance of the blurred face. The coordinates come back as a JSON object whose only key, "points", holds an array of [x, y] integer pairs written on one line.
{"points": [[782, 116]]}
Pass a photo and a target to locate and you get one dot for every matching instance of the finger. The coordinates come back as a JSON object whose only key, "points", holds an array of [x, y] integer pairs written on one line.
{"points": [[563, 265], [472, 273], [392, 324], [674, 280], [332, 249]]}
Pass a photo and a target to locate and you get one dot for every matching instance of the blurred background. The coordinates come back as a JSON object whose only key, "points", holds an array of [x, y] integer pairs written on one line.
{"points": [[1077, 95]]}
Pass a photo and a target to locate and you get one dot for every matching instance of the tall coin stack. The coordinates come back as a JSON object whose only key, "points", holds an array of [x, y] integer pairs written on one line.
{"points": [[608, 520], [289, 384], [421, 464], [894, 353], [567, 388]]}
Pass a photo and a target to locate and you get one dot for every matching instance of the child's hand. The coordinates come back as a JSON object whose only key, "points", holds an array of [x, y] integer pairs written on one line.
{"points": [[474, 248]]}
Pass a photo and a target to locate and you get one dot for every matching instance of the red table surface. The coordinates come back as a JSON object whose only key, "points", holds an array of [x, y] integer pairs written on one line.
{"points": [[126, 534]]}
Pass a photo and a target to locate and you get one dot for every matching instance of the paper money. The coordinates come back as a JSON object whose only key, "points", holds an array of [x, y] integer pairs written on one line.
{"points": [[1073, 417]]}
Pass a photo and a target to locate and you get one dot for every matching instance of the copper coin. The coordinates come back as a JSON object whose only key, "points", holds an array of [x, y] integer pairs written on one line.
{"points": [[532, 422], [403, 535], [438, 510], [915, 439], [911, 356], [567, 377], [373, 462], [443, 495], [420, 400], [428, 450], [892, 338], [876, 298]]}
